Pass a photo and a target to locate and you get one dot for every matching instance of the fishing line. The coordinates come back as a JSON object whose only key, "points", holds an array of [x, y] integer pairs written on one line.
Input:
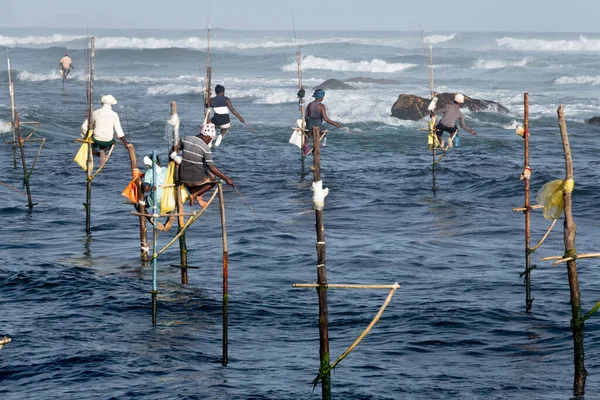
{"points": [[257, 216], [15, 189], [253, 131]]}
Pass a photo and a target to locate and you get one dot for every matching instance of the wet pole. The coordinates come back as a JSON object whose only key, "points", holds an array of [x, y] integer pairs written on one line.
{"points": [[225, 275], [154, 237], [180, 219], [527, 212], [321, 276], [90, 160], [23, 162], [11, 91], [577, 321]]}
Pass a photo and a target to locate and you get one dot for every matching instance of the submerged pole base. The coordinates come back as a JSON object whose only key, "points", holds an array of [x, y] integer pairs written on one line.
{"points": [[155, 293]]}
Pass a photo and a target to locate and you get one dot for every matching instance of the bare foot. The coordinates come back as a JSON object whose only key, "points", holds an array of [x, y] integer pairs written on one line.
{"points": [[201, 201]]}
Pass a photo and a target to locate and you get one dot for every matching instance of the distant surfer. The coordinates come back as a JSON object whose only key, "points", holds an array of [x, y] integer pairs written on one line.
{"points": [[316, 113], [65, 66], [221, 105], [105, 124], [451, 113], [197, 169]]}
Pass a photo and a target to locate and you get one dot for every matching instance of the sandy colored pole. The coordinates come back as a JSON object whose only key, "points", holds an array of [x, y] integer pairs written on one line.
{"points": [[180, 219], [577, 322], [11, 91], [90, 163], [154, 237], [527, 212], [23, 162], [225, 275], [321, 276]]}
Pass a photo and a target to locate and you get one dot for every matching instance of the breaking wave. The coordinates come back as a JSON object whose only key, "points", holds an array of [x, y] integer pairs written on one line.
{"points": [[497, 64], [578, 80], [581, 44], [375, 65], [436, 39], [12, 41], [5, 126], [174, 89]]}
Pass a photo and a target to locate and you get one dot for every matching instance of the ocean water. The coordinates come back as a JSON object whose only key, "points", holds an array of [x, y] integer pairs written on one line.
{"points": [[78, 310]]}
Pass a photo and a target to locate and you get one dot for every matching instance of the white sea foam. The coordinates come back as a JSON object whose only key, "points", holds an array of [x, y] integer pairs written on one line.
{"points": [[498, 64], [38, 77], [375, 65], [174, 89], [578, 80], [13, 41], [581, 44], [436, 39], [5, 126]]}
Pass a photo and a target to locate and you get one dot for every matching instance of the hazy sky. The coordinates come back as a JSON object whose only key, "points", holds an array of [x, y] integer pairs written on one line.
{"points": [[435, 15]]}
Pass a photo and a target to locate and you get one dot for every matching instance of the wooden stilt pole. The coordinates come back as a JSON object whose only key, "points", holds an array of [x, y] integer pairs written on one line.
{"points": [[23, 161], [577, 322], [321, 276], [433, 165], [225, 275], [180, 219], [154, 240], [11, 91], [90, 163], [141, 207], [527, 212]]}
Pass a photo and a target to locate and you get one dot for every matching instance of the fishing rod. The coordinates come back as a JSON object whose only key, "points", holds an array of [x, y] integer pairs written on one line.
{"points": [[15, 189], [207, 93]]}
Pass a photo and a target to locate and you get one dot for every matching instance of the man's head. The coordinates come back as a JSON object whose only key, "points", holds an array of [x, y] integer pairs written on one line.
{"points": [[459, 99], [148, 161], [108, 99], [319, 94], [219, 89], [66, 54], [208, 132]]}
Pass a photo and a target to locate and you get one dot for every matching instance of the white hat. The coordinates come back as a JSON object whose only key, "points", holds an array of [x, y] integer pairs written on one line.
{"points": [[209, 130], [459, 98], [147, 161], [108, 99]]}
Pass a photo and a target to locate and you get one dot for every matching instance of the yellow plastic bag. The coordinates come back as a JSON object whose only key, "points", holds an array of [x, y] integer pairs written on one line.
{"points": [[551, 196], [432, 139], [169, 201], [82, 155]]}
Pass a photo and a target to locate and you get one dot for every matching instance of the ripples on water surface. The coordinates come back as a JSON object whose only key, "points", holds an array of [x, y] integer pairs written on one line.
{"points": [[79, 312]]}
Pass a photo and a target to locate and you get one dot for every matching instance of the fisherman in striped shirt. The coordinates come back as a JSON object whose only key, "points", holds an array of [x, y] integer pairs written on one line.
{"points": [[197, 170]]}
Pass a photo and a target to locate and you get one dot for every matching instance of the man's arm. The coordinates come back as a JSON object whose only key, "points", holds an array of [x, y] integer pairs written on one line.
{"points": [[465, 127], [326, 118], [221, 175], [233, 110], [119, 130]]}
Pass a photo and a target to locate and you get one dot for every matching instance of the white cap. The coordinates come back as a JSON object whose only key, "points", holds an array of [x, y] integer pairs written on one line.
{"points": [[147, 161], [209, 130], [459, 98], [108, 99]]}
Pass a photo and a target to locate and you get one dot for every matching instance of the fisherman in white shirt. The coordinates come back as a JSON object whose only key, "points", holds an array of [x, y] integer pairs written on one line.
{"points": [[105, 124]]}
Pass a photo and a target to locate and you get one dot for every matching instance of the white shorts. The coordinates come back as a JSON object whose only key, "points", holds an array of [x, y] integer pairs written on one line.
{"points": [[226, 126]]}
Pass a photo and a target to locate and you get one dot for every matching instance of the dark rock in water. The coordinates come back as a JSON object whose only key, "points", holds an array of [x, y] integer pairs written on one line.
{"points": [[593, 121], [407, 104], [334, 84], [372, 80]]}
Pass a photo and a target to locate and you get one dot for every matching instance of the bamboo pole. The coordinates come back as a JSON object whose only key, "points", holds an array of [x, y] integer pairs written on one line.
{"points": [[154, 237], [533, 207], [321, 276], [23, 162], [527, 212], [342, 286], [140, 197], [577, 322], [183, 263], [5, 340], [11, 90], [90, 161], [225, 275], [563, 259]]}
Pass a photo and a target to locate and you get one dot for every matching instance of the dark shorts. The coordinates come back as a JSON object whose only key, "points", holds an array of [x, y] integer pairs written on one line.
{"points": [[100, 145], [440, 129]]}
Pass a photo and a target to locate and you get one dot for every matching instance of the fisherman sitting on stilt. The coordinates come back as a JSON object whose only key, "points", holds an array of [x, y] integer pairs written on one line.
{"points": [[105, 124], [148, 186], [221, 105], [197, 170], [451, 112]]}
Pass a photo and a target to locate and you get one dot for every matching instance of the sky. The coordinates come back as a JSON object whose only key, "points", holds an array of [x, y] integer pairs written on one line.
{"points": [[382, 15]]}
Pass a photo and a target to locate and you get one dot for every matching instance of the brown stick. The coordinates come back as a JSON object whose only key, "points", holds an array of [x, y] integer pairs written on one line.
{"points": [[577, 322], [528, 299], [321, 277], [225, 274], [343, 286], [180, 218], [533, 207]]}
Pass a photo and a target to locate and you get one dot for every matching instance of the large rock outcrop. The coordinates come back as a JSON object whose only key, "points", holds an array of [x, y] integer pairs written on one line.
{"points": [[334, 84], [407, 104], [593, 121]]}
